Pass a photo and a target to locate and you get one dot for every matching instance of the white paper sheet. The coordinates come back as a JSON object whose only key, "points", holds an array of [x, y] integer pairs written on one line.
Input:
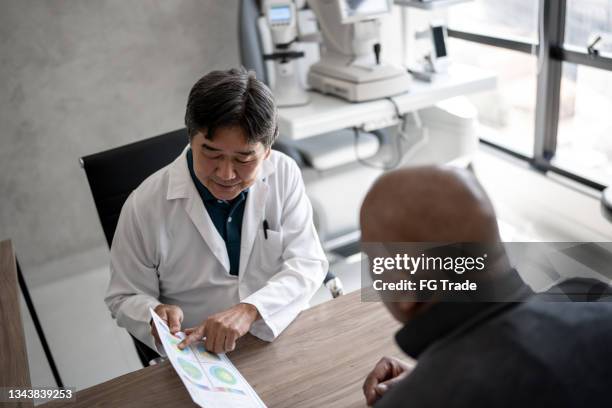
{"points": [[211, 379]]}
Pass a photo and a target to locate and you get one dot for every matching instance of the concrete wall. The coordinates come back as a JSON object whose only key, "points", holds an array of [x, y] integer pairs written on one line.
{"points": [[78, 77]]}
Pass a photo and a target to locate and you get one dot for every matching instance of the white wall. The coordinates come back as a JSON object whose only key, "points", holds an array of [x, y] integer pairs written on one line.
{"points": [[78, 77]]}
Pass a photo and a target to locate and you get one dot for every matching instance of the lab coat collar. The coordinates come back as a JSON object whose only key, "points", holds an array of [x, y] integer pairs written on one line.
{"points": [[252, 220], [254, 213], [179, 179]]}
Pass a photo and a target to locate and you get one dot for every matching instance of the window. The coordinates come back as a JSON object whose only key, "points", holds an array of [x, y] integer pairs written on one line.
{"points": [[518, 18], [507, 114], [584, 138], [577, 145], [587, 19]]}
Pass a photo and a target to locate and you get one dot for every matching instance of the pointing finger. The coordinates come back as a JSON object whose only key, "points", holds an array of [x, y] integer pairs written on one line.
{"points": [[193, 336]]}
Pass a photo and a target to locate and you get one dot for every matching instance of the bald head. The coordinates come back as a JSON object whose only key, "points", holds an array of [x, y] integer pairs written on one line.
{"points": [[428, 204]]}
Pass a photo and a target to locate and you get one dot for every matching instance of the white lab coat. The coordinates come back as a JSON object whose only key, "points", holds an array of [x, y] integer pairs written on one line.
{"points": [[166, 249]]}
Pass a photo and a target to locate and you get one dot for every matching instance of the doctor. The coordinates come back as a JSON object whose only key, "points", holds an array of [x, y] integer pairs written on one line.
{"points": [[221, 241]]}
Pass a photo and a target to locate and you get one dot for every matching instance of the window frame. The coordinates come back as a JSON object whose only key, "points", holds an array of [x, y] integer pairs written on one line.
{"points": [[551, 53]]}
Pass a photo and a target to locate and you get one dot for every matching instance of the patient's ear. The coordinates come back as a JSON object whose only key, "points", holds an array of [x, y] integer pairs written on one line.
{"points": [[408, 309], [404, 311]]}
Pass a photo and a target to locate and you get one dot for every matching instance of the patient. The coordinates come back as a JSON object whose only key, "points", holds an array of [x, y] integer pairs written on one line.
{"points": [[522, 352]]}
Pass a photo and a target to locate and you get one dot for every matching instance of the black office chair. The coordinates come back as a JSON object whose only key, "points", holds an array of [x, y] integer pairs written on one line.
{"points": [[113, 174]]}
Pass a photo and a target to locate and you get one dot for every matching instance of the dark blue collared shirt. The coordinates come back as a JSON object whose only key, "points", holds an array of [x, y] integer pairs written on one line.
{"points": [[226, 215]]}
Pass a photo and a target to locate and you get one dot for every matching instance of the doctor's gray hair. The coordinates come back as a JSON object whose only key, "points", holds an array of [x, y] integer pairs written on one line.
{"points": [[222, 99]]}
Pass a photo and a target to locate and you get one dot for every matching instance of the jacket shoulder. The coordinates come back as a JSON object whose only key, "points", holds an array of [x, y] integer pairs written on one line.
{"points": [[283, 162]]}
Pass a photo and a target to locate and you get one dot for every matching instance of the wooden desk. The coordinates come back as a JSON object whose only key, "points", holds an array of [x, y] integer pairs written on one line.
{"points": [[321, 360], [14, 370]]}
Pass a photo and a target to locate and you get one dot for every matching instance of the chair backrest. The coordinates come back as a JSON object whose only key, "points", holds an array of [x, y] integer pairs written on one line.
{"points": [[115, 173]]}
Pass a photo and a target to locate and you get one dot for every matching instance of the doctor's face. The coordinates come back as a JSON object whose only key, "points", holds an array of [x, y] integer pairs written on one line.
{"points": [[227, 164]]}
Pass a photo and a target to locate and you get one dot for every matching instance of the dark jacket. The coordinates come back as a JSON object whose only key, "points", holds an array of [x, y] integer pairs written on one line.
{"points": [[535, 353]]}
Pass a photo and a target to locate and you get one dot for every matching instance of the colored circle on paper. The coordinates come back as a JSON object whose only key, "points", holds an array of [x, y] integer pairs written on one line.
{"points": [[175, 342], [202, 352], [190, 369], [223, 375], [195, 383]]}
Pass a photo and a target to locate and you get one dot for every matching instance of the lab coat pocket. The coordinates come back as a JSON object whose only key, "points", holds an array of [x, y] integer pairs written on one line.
{"points": [[270, 251]]}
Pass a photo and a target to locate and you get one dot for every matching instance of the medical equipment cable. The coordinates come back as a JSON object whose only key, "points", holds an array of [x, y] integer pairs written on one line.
{"points": [[398, 143]]}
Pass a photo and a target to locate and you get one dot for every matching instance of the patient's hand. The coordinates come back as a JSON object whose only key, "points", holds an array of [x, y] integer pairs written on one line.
{"points": [[223, 329], [386, 373]]}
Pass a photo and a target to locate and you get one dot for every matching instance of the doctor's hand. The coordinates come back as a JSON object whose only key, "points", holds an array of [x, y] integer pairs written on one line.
{"points": [[223, 329], [172, 315], [386, 373]]}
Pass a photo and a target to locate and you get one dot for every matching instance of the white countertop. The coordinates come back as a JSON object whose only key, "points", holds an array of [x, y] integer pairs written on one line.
{"points": [[328, 113]]}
